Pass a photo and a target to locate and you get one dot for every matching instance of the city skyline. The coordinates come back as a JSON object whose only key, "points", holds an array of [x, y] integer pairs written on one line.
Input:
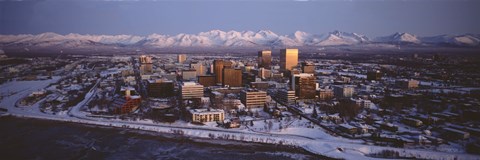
{"points": [[266, 79]]}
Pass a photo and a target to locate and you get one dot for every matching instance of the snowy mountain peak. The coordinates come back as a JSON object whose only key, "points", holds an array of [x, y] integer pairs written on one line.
{"points": [[399, 38], [219, 38], [266, 34]]}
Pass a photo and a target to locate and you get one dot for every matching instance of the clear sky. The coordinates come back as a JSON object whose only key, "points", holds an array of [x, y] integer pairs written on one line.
{"points": [[369, 17]]}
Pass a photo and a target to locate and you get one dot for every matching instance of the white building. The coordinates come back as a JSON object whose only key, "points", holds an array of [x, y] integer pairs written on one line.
{"points": [[191, 90], [207, 115]]}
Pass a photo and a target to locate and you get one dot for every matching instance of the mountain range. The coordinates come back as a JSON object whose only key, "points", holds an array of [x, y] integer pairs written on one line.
{"points": [[218, 38]]}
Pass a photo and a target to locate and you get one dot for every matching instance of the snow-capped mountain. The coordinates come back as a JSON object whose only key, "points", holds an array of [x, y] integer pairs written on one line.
{"points": [[461, 40], [399, 38], [343, 38], [218, 38]]}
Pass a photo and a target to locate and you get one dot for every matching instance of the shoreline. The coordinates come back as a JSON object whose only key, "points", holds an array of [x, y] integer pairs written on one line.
{"points": [[211, 142]]}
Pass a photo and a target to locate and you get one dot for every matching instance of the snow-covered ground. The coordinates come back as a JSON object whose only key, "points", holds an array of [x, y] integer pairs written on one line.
{"points": [[313, 139]]}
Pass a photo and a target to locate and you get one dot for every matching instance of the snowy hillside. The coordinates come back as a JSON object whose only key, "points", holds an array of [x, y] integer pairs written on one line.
{"points": [[218, 38], [399, 38]]}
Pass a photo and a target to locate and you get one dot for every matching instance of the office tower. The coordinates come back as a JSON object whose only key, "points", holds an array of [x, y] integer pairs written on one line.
{"points": [[211, 69], [253, 98], [160, 88], [374, 75], [191, 90], [248, 78], [207, 81], [218, 66], [308, 67], [199, 67], [343, 91], [189, 75], [181, 58], [227, 64], [145, 59], [232, 77], [288, 59], [146, 68], [217, 70], [304, 85], [264, 59]]}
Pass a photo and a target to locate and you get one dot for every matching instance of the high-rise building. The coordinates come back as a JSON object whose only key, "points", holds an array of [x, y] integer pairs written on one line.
{"points": [[232, 77], [374, 75], [304, 85], [207, 80], [288, 59], [265, 59], [248, 78], [308, 67], [145, 59], [199, 67], [181, 58], [146, 68], [253, 98], [343, 91], [160, 88], [189, 75], [218, 70], [191, 90], [227, 64], [218, 66]]}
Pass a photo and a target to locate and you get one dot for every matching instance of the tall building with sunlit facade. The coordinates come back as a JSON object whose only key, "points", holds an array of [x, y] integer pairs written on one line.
{"points": [[288, 59], [264, 59]]}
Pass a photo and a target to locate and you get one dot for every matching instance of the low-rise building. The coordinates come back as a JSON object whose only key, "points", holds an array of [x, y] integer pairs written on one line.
{"points": [[125, 105], [347, 128], [407, 84], [285, 96], [455, 134], [206, 115], [325, 94], [412, 122], [253, 98]]}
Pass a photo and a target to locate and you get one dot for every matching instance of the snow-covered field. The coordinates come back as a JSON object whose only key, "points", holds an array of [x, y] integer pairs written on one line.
{"points": [[296, 133]]}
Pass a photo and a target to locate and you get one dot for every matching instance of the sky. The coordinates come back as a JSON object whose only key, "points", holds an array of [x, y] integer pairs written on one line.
{"points": [[142, 17]]}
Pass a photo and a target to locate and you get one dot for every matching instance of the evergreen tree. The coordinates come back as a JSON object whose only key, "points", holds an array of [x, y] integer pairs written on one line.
{"points": [[314, 114]]}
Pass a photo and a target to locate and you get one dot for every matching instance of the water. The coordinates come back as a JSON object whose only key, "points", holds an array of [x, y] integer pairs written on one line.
{"points": [[38, 139]]}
